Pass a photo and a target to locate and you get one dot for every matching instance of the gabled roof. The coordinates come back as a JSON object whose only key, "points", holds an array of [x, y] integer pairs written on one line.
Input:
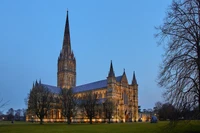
{"points": [[82, 88], [93, 85], [52, 89]]}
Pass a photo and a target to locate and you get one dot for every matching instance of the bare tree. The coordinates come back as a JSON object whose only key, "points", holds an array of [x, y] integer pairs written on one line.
{"points": [[109, 107], [40, 101], [89, 103], [180, 70], [68, 104], [99, 110], [2, 103]]}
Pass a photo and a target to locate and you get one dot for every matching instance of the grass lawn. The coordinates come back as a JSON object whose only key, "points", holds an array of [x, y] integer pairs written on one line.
{"points": [[23, 127]]}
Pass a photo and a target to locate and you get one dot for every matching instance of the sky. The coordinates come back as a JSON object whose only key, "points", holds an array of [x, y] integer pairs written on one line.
{"points": [[31, 36]]}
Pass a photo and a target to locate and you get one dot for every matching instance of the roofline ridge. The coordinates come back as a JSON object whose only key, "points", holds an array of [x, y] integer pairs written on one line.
{"points": [[51, 85], [91, 82], [95, 81]]}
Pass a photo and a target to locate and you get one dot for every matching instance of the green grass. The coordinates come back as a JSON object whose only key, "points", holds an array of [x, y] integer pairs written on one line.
{"points": [[22, 127]]}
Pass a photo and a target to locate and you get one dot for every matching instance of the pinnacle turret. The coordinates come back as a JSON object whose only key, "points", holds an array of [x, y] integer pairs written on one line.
{"points": [[134, 81], [124, 73], [111, 72]]}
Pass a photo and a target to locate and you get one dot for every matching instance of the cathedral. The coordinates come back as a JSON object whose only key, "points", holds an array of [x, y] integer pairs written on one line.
{"points": [[114, 87]]}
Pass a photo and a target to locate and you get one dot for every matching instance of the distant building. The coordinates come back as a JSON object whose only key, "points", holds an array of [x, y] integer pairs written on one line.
{"points": [[3, 117], [144, 116], [113, 87]]}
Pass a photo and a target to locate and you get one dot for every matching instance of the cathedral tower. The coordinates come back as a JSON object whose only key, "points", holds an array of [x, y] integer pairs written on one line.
{"points": [[66, 75]]}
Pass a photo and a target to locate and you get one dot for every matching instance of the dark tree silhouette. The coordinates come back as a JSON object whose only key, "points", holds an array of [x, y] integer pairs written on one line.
{"points": [[180, 70], [24, 114], [40, 101], [68, 104], [167, 111], [158, 106], [10, 114], [89, 104], [108, 107], [18, 114]]}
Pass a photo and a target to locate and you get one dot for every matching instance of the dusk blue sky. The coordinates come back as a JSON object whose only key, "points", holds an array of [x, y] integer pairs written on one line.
{"points": [[31, 36]]}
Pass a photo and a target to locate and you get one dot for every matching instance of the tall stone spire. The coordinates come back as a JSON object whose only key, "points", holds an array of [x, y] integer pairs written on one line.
{"points": [[66, 75], [66, 39], [111, 72], [134, 81]]}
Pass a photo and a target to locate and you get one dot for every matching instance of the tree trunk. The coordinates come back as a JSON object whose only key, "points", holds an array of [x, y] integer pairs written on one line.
{"points": [[90, 120], [41, 121], [68, 120]]}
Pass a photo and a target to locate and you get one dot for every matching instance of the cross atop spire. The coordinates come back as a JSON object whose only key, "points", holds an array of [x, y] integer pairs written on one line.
{"points": [[66, 40], [111, 72]]}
